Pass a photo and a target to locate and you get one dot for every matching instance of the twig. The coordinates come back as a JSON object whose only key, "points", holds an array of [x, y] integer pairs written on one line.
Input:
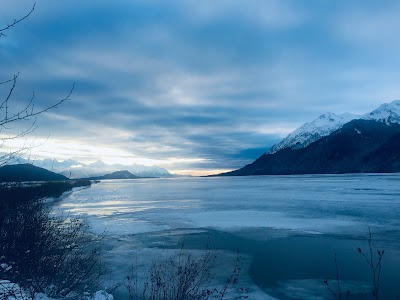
{"points": [[16, 21]]}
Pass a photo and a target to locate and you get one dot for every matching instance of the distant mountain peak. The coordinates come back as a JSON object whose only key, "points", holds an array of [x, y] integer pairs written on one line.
{"points": [[307, 133], [325, 124], [74, 169], [360, 146], [336, 144], [388, 113], [330, 117], [123, 174]]}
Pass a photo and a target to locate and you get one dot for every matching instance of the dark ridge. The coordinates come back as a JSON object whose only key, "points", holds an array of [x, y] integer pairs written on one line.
{"points": [[116, 175], [360, 146], [27, 172]]}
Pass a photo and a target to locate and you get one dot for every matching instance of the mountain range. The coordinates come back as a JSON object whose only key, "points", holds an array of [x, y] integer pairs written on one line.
{"points": [[74, 169], [28, 172], [334, 144]]}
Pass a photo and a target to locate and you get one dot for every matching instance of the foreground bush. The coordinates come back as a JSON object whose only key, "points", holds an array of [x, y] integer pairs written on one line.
{"points": [[42, 253], [183, 276]]}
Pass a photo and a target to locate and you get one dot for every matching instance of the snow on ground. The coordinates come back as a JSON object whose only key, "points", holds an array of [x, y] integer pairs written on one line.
{"points": [[102, 295], [14, 292]]}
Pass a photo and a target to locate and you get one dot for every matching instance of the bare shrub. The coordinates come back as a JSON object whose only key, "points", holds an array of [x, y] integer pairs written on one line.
{"points": [[183, 276], [45, 254], [374, 264], [373, 261]]}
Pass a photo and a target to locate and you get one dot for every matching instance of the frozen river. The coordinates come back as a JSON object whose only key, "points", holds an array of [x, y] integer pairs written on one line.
{"points": [[286, 227]]}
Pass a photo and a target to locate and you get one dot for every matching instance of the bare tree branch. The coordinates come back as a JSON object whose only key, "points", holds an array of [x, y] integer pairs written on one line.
{"points": [[28, 111], [11, 116], [16, 21], [7, 81]]}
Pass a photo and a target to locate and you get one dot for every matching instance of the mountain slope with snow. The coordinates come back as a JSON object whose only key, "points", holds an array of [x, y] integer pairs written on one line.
{"points": [[388, 113], [303, 136], [360, 146], [324, 125], [336, 144]]}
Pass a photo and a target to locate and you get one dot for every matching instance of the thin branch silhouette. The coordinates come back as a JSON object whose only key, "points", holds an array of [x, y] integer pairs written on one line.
{"points": [[16, 21]]}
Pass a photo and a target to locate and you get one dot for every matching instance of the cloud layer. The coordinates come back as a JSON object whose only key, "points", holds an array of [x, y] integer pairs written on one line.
{"points": [[197, 85]]}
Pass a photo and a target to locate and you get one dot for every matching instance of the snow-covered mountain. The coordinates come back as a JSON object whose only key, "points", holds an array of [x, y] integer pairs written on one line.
{"points": [[327, 123], [324, 125], [360, 146], [388, 113], [75, 169], [55, 165]]}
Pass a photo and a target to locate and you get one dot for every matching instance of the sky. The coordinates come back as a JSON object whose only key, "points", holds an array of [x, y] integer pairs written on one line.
{"points": [[197, 87]]}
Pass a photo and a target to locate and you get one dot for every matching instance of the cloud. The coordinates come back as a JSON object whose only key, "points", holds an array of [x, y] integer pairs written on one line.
{"points": [[270, 14], [197, 85], [369, 24]]}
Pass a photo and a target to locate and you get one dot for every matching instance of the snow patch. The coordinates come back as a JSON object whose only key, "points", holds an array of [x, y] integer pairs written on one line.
{"points": [[102, 295], [14, 292]]}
